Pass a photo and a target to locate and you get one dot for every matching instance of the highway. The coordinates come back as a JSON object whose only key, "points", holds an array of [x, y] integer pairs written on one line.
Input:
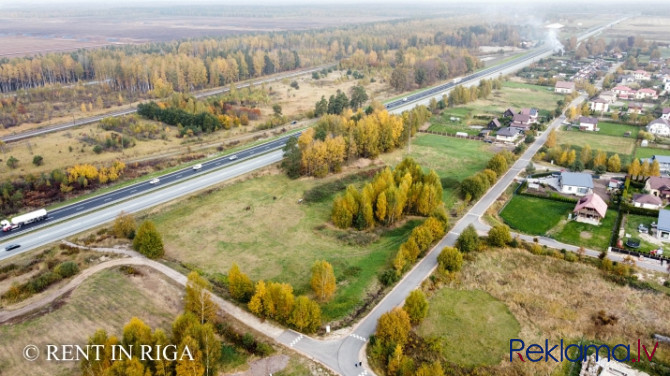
{"points": [[341, 354], [200, 94]]}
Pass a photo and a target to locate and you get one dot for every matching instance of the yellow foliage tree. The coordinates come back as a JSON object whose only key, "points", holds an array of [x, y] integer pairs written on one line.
{"points": [[323, 280]]}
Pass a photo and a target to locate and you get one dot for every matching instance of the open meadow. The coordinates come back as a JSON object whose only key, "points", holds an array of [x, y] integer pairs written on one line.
{"points": [[514, 294], [620, 145]]}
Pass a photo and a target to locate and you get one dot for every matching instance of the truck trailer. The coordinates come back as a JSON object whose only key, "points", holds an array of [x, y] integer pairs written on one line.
{"points": [[23, 219]]}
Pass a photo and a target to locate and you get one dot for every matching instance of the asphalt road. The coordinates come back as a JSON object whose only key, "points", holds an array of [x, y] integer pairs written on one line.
{"points": [[200, 94]]}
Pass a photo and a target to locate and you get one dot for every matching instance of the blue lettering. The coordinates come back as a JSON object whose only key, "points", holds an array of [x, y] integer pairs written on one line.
{"points": [[567, 353], [597, 349], [627, 358], [512, 349], [547, 351], [529, 352]]}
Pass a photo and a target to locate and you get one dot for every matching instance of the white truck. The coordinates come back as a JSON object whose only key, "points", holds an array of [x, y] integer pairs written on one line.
{"points": [[23, 219]]}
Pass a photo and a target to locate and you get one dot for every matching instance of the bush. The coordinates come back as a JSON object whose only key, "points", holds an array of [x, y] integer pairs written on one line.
{"points": [[450, 259], [97, 149], [148, 241], [389, 277], [38, 160], [570, 257], [499, 236], [468, 240], [416, 306], [67, 269], [666, 283]]}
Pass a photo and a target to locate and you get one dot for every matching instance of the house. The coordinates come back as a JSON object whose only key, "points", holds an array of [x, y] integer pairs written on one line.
{"points": [[647, 201], [564, 87], [521, 121], [614, 184], [666, 114], [659, 127], [590, 209], [484, 133], [663, 226], [576, 183], [509, 134], [663, 162], [602, 366], [635, 108], [599, 105], [508, 113], [587, 123], [623, 92], [641, 75], [646, 93], [627, 78], [531, 112], [609, 96], [494, 124], [658, 186]]}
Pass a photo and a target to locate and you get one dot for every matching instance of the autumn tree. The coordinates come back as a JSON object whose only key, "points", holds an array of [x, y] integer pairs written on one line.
{"points": [[239, 285], [600, 159], [586, 154], [306, 315], [393, 328], [124, 225], [634, 168], [499, 235], [198, 299], [323, 280], [614, 163], [497, 163], [148, 241], [468, 240], [416, 306], [551, 139], [450, 259], [655, 169], [432, 369]]}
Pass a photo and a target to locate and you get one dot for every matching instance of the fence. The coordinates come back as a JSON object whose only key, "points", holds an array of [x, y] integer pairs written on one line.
{"points": [[453, 135], [638, 254]]}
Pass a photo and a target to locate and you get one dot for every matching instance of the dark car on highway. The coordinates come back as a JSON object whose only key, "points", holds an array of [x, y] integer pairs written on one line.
{"points": [[12, 246]]}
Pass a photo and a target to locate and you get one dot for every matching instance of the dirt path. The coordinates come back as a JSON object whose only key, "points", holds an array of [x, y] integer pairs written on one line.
{"points": [[247, 318], [265, 366]]}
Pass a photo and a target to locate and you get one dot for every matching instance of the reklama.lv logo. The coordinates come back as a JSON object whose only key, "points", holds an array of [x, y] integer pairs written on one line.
{"points": [[536, 352]]}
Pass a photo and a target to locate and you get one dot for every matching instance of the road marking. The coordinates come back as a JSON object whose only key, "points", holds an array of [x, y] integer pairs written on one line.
{"points": [[134, 190], [79, 208], [358, 337], [107, 199], [365, 372], [296, 340]]}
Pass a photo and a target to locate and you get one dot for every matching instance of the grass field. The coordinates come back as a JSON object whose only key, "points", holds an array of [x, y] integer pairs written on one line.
{"points": [[649, 152], [597, 142], [587, 235], [533, 215], [277, 238], [549, 299], [632, 221], [107, 300], [473, 327], [453, 159], [615, 129]]}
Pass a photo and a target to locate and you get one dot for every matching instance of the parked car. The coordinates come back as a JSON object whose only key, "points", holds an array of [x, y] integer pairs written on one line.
{"points": [[12, 246], [232, 157], [642, 229], [154, 181], [197, 167]]}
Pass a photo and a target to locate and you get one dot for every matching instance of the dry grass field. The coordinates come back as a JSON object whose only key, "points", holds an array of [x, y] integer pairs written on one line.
{"points": [[648, 27], [107, 300], [555, 299]]}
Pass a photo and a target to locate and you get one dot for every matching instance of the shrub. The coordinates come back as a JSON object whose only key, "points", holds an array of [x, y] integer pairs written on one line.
{"points": [[468, 240], [67, 269], [38, 160], [416, 306], [148, 241], [499, 236], [389, 277], [450, 259]]}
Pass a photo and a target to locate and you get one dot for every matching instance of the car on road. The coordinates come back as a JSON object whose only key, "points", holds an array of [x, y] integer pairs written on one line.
{"points": [[405, 99], [154, 181], [232, 157], [11, 247], [197, 167]]}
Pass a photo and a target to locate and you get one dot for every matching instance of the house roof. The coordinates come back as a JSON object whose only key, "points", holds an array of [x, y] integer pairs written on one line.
{"points": [[659, 121], [588, 120], [607, 94], [647, 199], [496, 122], [647, 90], [599, 100], [565, 85], [666, 110], [578, 179], [521, 118], [662, 158], [509, 131], [640, 71], [529, 111], [634, 105], [622, 88], [664, 219], [659, 183], [592, 201]]}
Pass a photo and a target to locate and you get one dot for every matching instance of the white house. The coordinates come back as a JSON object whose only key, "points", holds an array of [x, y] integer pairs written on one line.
{"points": [[609, 96], [647, 201], [576, 183], [587, 123], [509, 134], [659, 127], [623, 92], [663, 226], [646, 94], [641, 75], [564, 87], [666, 114], [599, 105]]}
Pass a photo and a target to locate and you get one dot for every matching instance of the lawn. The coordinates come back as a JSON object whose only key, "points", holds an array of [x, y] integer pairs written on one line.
{"points": [[587, 235], [621, 145], [548, 299], [454, 159], [443, 122], [107, 300], [632, 222], [616, 129], [473, 327], [533, 215], [641, 152], [259, 224]]}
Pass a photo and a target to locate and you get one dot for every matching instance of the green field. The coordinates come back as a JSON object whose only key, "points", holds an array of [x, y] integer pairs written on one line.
{"points": [[587, 235], [631, 223], [620, 145], [649, 152], [454, 159], [443, 122], [616, 129], [259, 224], [533, 215], [473, 327]]}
